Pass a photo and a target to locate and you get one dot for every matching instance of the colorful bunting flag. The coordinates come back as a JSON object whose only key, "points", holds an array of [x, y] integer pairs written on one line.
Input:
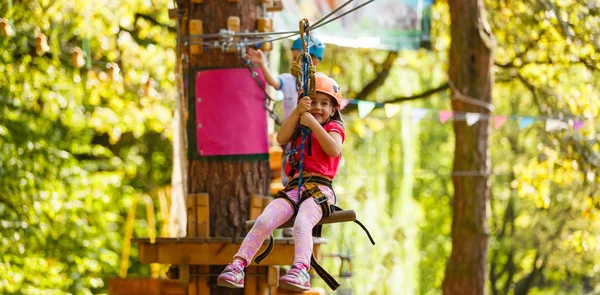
{"points": [[499, 121], [445, 116], [577, 125], [472, 118], [392, 109], [418, 114], [365, 107], [525, 122], [553, 125], [345, 102]]}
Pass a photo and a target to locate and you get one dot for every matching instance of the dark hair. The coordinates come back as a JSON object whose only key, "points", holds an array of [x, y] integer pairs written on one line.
{"points": [[337, 114]]}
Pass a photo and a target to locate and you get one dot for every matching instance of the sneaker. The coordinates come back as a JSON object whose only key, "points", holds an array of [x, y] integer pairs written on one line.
{"points": [[297, 279], [232, 277]]}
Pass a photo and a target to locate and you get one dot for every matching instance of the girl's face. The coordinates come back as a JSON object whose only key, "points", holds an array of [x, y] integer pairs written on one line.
{"points": [[321, 107]]}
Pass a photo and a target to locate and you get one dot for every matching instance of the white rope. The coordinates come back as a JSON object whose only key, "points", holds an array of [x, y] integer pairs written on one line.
{"points": [[457, 95]]}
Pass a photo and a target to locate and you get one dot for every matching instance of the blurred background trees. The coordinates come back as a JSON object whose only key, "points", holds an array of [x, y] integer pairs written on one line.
{"points": [[85, 130]]}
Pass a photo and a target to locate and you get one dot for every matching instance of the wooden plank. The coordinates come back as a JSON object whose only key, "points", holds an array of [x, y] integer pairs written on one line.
{"points": [[276, 187], [191, 216], [317, 252], [313, 291], [266, 201], [273, 275], [196, 28], [145, 286], [256, 206], [275, 159], [251, 280], [211, 240], [338, 216], [184, 273], [150, 253], [202, 215], [172, 13], [192, 287], [277, 6], [203, 279], [168, 287], [213, 253]]}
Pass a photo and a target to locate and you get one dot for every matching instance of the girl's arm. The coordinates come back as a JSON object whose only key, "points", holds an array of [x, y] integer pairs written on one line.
{"points": [[287, 129], [257, 57], [330, 142]]}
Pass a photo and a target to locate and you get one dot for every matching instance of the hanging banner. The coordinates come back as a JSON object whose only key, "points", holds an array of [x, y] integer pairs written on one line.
{"points": [[382, 24], [229, 117]]}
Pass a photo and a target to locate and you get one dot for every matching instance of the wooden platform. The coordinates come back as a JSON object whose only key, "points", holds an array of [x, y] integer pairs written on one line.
{"points": [[146, 286], [212, 251]]}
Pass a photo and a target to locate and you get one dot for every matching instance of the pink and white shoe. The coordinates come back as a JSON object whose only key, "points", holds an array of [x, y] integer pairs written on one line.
{"points": [[232, 277], [296, 279]]}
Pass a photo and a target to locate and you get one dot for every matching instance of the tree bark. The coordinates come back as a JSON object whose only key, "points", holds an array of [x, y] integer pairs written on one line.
{"points": [[229, 183], [471, 78]]}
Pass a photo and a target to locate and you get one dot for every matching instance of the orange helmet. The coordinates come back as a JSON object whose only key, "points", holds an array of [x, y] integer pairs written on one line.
{"points": [[330, 87]]}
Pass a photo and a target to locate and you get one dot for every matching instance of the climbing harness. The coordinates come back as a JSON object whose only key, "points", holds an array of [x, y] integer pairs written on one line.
{"points": [[312, 191]]}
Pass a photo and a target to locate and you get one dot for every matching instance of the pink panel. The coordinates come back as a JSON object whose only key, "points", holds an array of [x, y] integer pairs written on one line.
{"points": [[230, 118]]}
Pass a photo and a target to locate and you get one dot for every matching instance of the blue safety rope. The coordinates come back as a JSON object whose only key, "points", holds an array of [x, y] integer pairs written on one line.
{"points": [[305, 131]]}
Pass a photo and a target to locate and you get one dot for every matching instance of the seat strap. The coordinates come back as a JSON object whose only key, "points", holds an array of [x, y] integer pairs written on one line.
{"points": [[323, 274], [364, 228]]}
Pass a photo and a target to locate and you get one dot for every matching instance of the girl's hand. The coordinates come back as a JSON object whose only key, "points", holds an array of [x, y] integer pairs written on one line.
{"points": [[303, 105], [309, 121], [256, 56]]}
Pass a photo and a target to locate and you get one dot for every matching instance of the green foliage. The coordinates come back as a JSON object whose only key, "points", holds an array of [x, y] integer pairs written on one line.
{"points": [[545, 187], [77, 144]]}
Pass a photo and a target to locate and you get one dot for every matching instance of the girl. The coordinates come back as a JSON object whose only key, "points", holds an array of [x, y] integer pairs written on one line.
{"points": [[320, 113]]}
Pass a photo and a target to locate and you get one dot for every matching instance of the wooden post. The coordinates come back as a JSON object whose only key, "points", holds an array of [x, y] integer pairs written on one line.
{"points": [[196, 29], [256, 206], [202, 215]]}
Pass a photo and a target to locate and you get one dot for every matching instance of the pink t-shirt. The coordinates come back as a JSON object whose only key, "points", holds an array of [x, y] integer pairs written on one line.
{"points": [[319, 161]]}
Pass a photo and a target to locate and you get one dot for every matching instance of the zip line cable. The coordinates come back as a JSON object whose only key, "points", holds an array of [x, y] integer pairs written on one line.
{"points": [[226, 36], [328, 15], [341, 15]]}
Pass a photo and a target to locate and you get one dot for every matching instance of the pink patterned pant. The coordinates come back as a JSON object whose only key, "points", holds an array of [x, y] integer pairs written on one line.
{"points": [[278, 212]]}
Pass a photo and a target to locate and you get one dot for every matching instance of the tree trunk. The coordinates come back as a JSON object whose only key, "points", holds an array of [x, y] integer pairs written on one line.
{"points": [[471, 81], [229, 183]]}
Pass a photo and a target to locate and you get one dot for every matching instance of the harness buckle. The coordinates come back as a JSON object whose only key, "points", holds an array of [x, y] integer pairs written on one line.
{"points": [[322, 199]]}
